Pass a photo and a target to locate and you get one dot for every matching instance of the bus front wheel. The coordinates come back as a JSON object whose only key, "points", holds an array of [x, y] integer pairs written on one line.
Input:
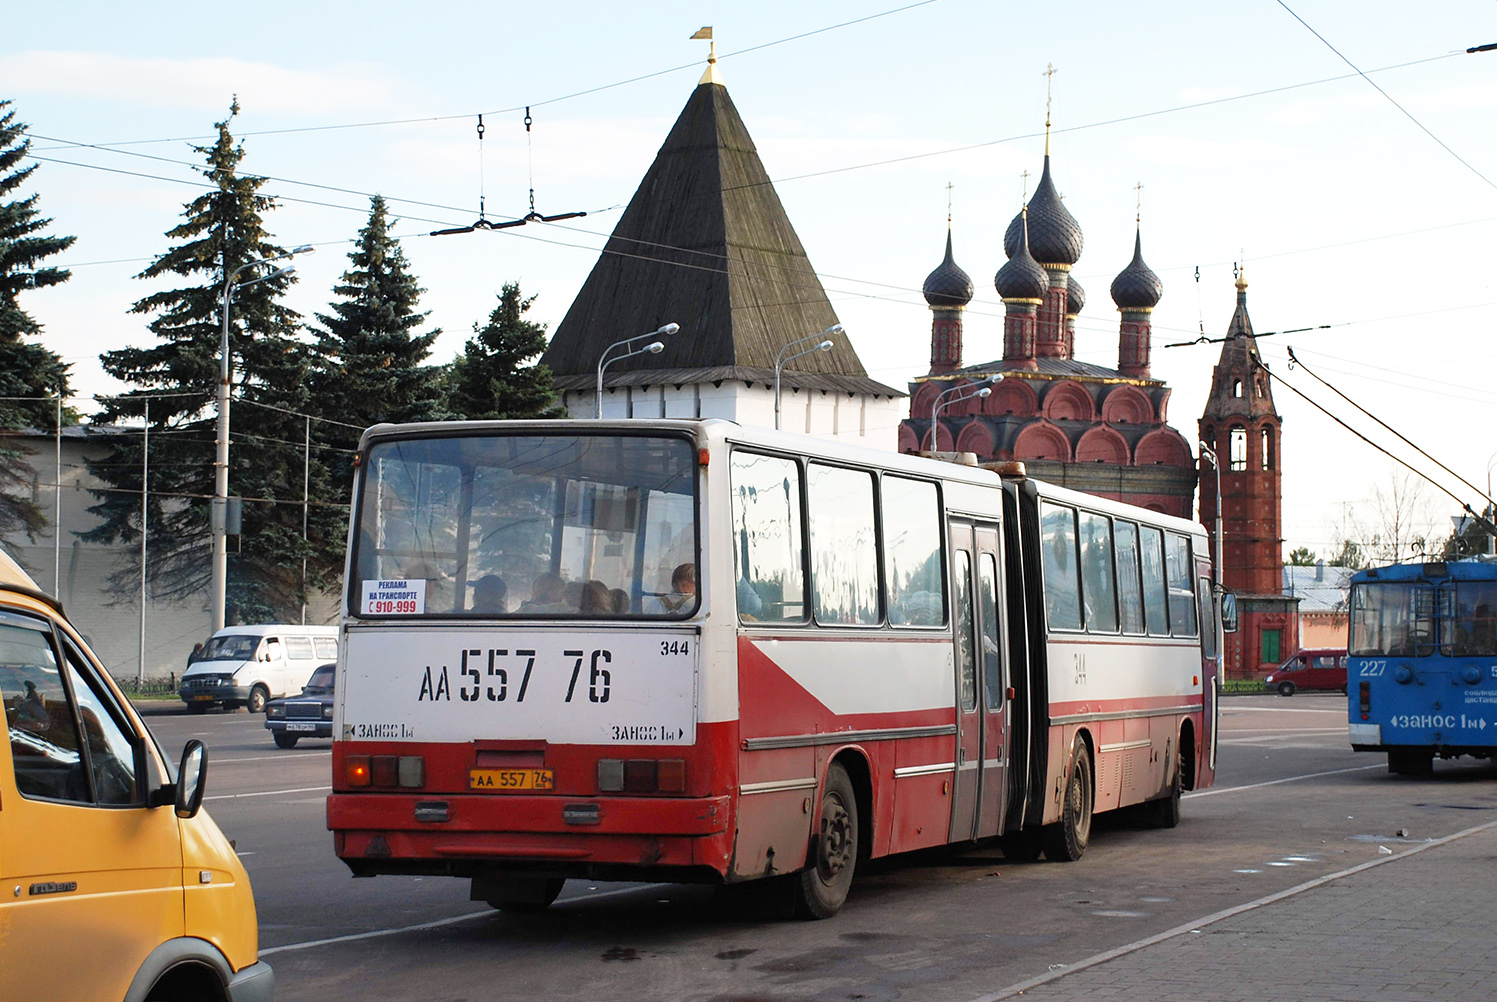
{"points": [[1066, 839], [822, 888]]}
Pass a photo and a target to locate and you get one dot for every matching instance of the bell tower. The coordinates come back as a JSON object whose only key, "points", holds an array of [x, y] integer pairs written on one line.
{"points": [[1242, 426]]}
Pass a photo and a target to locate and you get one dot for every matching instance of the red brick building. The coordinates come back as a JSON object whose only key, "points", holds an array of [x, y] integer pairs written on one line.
{"points": [[1073, 423], [1242, 427]]}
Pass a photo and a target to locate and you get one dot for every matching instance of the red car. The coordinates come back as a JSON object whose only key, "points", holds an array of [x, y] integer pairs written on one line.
{"points": [[1321, 669]]}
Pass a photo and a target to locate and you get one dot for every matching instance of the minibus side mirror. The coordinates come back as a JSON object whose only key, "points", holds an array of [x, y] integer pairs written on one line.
{"points": [[1229, 612], [192, 779]]}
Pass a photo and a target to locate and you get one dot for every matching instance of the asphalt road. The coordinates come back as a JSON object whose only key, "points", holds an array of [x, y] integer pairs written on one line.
{"points": [[1292, 803]]}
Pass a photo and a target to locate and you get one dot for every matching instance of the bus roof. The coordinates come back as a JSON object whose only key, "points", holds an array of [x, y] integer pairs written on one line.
{"points": [[1459, 570]]}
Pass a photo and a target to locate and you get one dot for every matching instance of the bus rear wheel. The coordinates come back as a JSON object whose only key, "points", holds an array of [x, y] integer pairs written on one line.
{"points": [[1066, 840], [822, 887], [1411, 761], [520, 894]]}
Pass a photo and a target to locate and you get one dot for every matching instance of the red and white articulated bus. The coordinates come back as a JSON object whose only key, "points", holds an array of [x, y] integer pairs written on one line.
{"points": [[688, 650]]}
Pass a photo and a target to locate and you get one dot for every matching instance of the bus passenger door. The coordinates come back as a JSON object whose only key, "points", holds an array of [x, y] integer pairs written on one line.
{"points": [[966, 784], [993, 686], [1211, 662]]}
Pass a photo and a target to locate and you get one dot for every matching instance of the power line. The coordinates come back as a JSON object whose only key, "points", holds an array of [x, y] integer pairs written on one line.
{"points": [[1293, 361], [1406, 113], [694, 64]]}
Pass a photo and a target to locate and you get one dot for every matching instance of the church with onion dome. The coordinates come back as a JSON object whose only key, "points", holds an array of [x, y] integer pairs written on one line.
{"points": [[1070, 422]]}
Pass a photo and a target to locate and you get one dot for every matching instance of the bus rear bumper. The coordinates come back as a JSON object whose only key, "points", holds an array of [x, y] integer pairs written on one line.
{"points": [[381, 833]]}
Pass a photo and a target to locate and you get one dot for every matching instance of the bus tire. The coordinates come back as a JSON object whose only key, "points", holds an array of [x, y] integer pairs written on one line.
{"points": [[1411, 761], [1286, 688], [527, 895], [1022, 846], [1165, 812], [822, 887], [1066, 840]]}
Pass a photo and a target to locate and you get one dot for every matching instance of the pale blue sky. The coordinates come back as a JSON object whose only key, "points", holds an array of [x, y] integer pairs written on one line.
{"points": [[1346, 212]]}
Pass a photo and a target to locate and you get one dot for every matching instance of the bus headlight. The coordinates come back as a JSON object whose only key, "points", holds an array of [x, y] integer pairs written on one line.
{"points": [[1471, 674], [1403, 674]]}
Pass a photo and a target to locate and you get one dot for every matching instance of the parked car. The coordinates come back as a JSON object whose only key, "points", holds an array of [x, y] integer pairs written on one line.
{"points": [[1319, 670], [309, 715], [118, 885], [247, 665]]}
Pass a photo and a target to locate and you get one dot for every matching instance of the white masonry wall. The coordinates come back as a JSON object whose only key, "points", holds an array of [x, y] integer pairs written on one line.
{"points": [[864, 420]]}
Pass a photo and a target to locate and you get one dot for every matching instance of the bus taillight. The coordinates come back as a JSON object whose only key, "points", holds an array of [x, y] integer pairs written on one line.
{"points": [[1364, 699], [408, 771], [641, 775]]}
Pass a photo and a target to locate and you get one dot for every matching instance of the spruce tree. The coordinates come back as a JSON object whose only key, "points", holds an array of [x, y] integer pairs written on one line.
{"points": [[221, 231], [489, 380], [28, 371], [369, 366]]}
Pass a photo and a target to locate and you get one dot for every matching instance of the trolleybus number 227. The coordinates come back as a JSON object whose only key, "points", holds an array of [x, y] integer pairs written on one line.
{"points": [[482, 677]]}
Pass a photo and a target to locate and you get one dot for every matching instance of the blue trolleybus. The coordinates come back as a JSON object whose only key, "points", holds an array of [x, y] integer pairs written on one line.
{"points": [[1422, 662]]}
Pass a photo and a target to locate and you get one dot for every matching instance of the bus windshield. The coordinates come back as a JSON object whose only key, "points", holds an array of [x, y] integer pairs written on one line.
{"points": [[1395, 618], [526, 525]]}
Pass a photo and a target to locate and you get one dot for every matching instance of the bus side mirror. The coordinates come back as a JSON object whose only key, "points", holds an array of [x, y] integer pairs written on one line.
{"points": [[192, 779], [1229, 612]]}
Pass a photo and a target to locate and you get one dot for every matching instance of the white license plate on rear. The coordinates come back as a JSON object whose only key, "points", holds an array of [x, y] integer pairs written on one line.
{"points": [[301, 727]]}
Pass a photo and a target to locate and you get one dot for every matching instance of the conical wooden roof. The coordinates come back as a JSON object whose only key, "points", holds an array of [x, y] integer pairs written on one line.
{"points": [[705, 243]]}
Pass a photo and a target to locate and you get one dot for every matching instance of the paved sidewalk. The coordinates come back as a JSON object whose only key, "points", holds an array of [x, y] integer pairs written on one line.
{"points": [[1418, 926]]}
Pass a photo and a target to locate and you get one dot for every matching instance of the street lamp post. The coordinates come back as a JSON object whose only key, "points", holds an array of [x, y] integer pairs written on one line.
{"points": [[824, 344], [653, 348], [219, 516], [947, 397]]}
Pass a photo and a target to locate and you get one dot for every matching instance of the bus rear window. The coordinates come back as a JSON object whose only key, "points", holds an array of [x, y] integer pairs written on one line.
{"points": [[527, 525]]}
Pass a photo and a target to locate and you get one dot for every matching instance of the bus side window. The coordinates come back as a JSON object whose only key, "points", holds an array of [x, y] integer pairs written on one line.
{"points": [[1182, 597], [1155, 606], [912, 553], [1098, 592], [844, 550], [1058, 553], [767, 548], [1130, 590]]}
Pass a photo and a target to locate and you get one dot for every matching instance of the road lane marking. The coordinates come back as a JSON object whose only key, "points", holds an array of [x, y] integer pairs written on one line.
{"points": [[1212, 919], [439, 923], [1276, 782], [271, 793], [269, 758]]}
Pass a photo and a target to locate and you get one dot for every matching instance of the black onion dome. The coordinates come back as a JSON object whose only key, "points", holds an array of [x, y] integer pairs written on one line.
{"points": [[1054, 234], [1022, 277], [1075, 295], [1136, 287], [948, 285]]}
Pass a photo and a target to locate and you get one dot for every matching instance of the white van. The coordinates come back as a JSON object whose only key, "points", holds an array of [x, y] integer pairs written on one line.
{"points": [[246, 665]]}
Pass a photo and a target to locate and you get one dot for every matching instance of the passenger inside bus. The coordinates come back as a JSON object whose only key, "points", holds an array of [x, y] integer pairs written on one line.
{"points": [[545, 594], [490, 594], [683, 589], [595, 600]]}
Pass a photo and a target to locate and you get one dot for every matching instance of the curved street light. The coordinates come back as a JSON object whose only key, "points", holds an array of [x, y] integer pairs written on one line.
{"points": [[653, 348], [980, 390], [825, 344], [219, 516]]}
